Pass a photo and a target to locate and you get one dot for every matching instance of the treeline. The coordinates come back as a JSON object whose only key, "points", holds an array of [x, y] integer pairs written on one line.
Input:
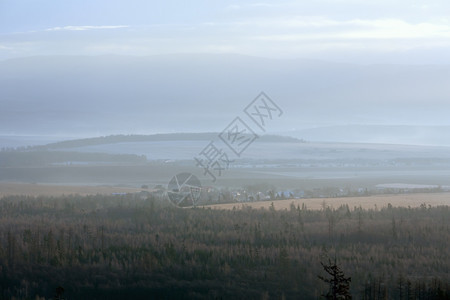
{"points": [[121, 138], [45, 158], [132, 138], [123, 247]]}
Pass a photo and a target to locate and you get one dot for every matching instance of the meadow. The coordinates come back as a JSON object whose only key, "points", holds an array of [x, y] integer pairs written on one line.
{"points": [[373, 202]]}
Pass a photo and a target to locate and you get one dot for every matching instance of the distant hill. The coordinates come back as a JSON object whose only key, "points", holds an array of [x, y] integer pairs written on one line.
{"points": [[114, 139], [379, 134]]}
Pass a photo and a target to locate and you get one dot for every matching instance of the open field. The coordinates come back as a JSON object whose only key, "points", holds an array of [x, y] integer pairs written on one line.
{"points": [[369, 202], [366, 202], [29, 189], [283, 177]]}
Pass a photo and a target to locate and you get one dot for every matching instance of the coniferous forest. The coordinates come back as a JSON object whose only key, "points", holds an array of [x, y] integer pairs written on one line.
{"points": [[125, 247]]}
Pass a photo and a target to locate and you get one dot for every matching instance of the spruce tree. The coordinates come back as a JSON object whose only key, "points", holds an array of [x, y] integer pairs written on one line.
{"points": [[339, 285]]}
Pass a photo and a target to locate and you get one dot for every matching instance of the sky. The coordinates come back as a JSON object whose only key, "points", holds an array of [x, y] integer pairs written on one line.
{"points": [[353, 31], [328, 62]]}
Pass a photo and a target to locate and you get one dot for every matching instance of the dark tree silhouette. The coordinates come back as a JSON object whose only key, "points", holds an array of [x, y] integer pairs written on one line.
{"points": [[59, 292], [339, 285]]}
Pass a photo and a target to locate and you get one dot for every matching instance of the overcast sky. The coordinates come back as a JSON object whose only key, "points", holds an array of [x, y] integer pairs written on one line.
{"points": [[359, 31]]}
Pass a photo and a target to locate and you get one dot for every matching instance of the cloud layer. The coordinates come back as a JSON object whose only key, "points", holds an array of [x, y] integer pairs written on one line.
{"points": [[344, 30], [86, 27]]}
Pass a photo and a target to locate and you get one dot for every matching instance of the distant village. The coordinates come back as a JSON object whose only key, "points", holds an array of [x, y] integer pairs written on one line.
{"points": [[212, 195]]}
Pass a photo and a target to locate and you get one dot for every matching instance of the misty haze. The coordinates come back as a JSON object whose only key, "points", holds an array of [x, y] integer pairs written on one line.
{"points": [[228, 150]]}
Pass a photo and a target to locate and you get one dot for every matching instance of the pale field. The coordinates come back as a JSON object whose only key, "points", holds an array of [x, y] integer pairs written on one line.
{"points": [[29, 189], [368, 202]]}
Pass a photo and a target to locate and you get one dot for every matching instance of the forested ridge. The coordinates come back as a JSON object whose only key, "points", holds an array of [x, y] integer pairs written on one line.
{"points": [[133, 138], [124, 247]]}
